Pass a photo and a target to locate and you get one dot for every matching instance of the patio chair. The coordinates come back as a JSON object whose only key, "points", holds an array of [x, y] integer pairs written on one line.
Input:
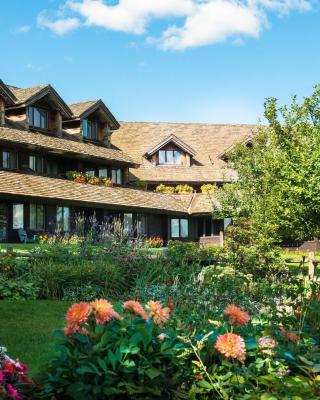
{"points": [[24, 238]]}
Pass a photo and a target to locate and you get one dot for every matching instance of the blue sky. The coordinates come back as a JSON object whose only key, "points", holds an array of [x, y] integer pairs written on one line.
{"points": [[165, 60]]}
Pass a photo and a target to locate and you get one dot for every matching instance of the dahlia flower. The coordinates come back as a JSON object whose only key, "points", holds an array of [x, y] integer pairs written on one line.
{"points": [[104, 312], [267, 344], [236, 315], [76, 317], [135, 308], [159, 314], [231, 346], [290, 336]]}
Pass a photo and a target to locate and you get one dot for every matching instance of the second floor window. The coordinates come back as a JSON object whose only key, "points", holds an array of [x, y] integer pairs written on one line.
{"points": [[89, 129], [169, 157], [36, 163], [38, 117], [9, 160], [117, 176]]}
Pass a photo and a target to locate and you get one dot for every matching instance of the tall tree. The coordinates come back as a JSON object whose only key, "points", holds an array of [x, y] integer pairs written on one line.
{"points": [[278, 186]]}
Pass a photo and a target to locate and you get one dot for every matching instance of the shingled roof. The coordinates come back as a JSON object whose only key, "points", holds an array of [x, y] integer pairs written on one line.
{"points": [[84, 109], [6, 93], [27, 96], [16, 185], [55, 144], [208, 141]]}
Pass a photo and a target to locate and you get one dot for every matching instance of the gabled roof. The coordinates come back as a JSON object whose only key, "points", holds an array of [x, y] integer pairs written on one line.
{"points": [[6, 93], [208, 141], [84, 109], [172, 139], [17, 185], [57, 145], [27, 96]]}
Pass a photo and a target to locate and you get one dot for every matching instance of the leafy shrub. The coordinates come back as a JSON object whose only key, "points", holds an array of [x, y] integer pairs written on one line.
{"points": [[154, 242], [56, 279], [17, 289], [208, 188], [165, 189], [80, 177], [12, 266], [104, 355], [184, 189], [140, 185]]}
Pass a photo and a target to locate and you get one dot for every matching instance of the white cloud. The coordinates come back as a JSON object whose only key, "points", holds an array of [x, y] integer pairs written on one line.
{"points": [[59, 26], [23, 29], [202, 22]]}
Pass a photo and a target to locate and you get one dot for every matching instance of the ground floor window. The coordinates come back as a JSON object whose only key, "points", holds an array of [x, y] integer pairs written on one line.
{"points": [[17, 216], [63, 218], [3, 222], [36, 216], [141, 224], [179, 228], [36, 163], [127, 223]]}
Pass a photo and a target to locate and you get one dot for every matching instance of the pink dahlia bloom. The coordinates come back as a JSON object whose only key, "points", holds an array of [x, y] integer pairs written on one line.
{"points": [[159, 314], [135, 308], [104, 312], [231, 346], [236, 315]]}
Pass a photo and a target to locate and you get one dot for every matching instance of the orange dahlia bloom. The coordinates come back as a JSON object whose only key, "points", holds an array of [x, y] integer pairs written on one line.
{"points": [[290, 336], [231, 346], [159, 314], [236, 315], [104, 312], [135, 308], [76, 317]]}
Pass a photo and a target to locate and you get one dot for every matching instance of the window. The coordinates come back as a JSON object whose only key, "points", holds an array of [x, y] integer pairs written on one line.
{"points": [[141, 224], [89, 129], [36, 216], [63, 218], [179, 228], [103, 172], [36, 163], [38, 117], [52, 168], [17, 216], [117, 176], [169, 157], [9, 160], [127, 223], [90, 172]]}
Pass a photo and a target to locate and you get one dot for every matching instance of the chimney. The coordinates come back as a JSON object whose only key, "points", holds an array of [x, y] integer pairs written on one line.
{"points": [[106, 135]]}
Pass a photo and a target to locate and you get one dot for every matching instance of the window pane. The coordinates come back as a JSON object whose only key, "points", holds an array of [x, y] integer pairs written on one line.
{"points": [[103, 172], [141, 224], [36, 117], [114, 176], [40, 216], [177, 157], [175, 227], [30, 115], [127, 222], [162, 157], [170, 157], [32, 162], [5, 159], [39, 164], [59, 217], [43, 119], [85, 128], [119, 176], [184, 231], [17, 216], [90, 172], [66, 219], [33, 216]]}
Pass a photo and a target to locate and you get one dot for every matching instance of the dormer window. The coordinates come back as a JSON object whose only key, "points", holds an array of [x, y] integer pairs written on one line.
{"points": [[38, 117], [89, 129], [170, 157]]}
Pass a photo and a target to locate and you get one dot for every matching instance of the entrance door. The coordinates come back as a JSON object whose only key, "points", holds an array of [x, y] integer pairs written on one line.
{"points": [[3, 222]]}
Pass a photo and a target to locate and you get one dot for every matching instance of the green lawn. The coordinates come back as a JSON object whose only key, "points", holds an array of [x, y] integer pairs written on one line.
{"points": [[26, 329]]}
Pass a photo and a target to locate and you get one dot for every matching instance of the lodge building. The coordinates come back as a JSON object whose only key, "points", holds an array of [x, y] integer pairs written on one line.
{"points": [[42, 139]]}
